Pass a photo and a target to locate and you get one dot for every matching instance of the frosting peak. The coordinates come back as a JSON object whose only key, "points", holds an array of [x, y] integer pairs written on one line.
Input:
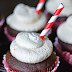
{"points": [[64, 31], [29, 40], [30, 48]]}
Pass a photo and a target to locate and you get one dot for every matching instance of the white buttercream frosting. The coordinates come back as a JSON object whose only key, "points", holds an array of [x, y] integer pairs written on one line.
{"points": [[64, 31], [30, 48], [52, 5], [24, 18]]}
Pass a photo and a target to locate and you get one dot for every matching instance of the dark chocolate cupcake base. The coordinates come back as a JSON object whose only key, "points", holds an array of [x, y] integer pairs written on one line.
{"points": [[26, 67]]}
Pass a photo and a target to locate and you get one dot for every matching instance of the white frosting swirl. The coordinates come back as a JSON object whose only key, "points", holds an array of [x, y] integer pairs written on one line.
{"points": [[30, 48], [24, 18], [52, 5], [64, 32], [32, 40]]}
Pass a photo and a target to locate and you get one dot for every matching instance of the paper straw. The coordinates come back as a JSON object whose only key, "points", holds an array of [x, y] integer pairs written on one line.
{"points": [[39, 6], [51, 21]]}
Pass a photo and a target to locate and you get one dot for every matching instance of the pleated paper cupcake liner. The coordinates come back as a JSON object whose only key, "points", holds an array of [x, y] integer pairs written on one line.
{"points": [[66, 55], [53, 69]]}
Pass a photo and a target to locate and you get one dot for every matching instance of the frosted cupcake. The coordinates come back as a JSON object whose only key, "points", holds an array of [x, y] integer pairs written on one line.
{"points": [[29, 53], [51, 6], [63, 42], [24, 18]]}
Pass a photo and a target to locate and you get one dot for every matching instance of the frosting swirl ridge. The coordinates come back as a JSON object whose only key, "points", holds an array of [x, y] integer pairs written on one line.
{"points": [[30, 48]]}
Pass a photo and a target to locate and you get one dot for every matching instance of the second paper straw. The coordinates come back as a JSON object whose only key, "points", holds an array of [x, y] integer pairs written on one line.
{"points": [[39, 6], [51, 21]]}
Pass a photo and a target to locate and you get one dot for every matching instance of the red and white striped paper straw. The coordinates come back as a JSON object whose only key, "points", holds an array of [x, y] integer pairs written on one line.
{"points": [[39, 6], [51, 21]]}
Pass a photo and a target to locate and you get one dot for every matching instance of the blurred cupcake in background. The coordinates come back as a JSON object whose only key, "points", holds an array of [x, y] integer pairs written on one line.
{"points": [[2, 20], [2, 39], [63, 41], [29, 53], [51, 6], [24, 18]]}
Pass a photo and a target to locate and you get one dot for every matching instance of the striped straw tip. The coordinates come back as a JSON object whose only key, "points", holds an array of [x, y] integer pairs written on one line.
{"points": [[62, 4]]}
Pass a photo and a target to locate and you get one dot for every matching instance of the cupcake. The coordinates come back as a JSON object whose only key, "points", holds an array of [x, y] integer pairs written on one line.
{"points": [[63, 41], [24, 18], [29, 53], [52, 5]]}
